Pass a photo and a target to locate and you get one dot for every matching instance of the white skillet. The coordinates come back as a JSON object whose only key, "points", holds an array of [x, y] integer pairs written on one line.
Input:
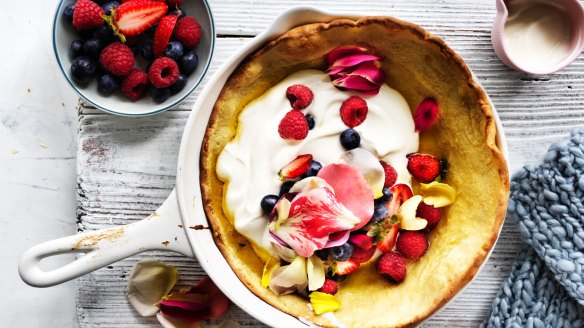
{"points": [[183, 208]]}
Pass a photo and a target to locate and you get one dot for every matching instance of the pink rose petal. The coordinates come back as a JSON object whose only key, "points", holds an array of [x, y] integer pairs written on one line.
{"points": [[343, 52], [351, 189], [357, 83], [338, 238], [353, 60], [371, 72]]}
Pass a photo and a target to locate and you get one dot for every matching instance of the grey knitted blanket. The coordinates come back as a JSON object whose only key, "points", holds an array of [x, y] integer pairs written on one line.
{"points": [[546, 284]]}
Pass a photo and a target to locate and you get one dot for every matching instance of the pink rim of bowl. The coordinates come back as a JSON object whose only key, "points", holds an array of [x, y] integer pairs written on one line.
{"points": [[575, 13]]}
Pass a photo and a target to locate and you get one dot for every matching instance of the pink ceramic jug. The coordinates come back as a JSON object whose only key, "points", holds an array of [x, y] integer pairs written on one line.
{"points": [[538, 36]]}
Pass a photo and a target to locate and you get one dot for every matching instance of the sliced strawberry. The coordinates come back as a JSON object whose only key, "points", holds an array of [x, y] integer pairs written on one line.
{"points": [[363, 241], [360, 255], [400, 193], [424, 168], [162, 34], [136, 16], [386, 237], [296, 168], [345, 267]]}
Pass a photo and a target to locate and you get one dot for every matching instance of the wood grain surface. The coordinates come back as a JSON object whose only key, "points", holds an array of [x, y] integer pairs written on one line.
{"points": [[126, 166]]}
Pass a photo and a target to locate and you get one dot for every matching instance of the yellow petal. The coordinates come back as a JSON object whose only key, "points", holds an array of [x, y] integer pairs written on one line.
{"points": [[323, 303], [438, 194], [149, 282], [270, 266], [407, 214]]}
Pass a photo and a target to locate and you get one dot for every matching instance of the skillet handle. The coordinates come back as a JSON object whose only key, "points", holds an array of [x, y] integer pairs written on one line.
{"points": [[162, 230]]}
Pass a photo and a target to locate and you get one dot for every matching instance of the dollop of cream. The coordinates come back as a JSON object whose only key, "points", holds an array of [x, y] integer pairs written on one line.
{"points": [[249, 164]]}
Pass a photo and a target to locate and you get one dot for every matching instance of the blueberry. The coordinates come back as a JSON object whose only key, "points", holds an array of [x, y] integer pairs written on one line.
{"points": [[286, 186], [268, 203], [177, 11], [68, 12], [104, 33], [342, 252], [312, 170], [146, 50], [159, 95], [83, 69], [350, 139], [174, 50], [386, 197], [322, 254], [109, 6], [135, 49], [76, 49], [101, 2], [92, 47], [310, 121], [380, 212], [107, 84], [85, 34], [188, 63], [179, 84]]}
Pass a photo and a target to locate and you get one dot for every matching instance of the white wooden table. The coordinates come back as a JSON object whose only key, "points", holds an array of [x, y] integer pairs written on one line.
{"points": [[126, 166]]}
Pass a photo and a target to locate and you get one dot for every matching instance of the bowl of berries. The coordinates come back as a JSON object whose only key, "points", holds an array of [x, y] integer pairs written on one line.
{"points": [[133, 57]]}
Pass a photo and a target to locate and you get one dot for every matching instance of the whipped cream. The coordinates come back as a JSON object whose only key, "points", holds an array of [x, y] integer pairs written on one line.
{"points": [[249, 164]]}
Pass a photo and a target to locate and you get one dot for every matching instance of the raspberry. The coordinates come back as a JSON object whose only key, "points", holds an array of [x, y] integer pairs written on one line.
{"points": [[117, 59], [329, 287], [188, 32], [430, 214], [134, 85], [354, 111], [426, 114], [163, 72], [390, 174], [360, 255], [392, 267], [87, 15], [299, 95], [412, 244], [424, 168], [293, 126]]}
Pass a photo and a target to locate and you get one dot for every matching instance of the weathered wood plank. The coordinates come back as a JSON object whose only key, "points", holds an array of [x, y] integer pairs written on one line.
{"points": [[126, 166]]}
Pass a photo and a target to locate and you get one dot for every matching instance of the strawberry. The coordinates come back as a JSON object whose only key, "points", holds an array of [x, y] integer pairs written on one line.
{"points": [[424, 168], [385, 235], [87, 15], [363, 241], [162, 34], [400, 193], [390, 174], [361, 256], [354, 111], [412, 244], [430, 214], [296, 168], [345, 267], [300, 96], [329, 287], [426, 114], [134, 17], [293, 126], [392, 267]]}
